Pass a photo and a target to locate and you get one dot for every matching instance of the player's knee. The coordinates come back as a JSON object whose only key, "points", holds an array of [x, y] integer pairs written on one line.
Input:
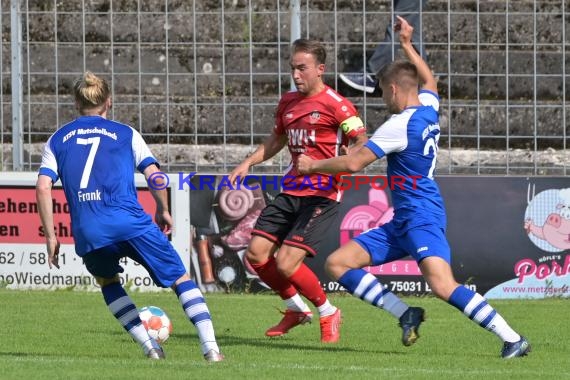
{"points": [[185, 277], [288, 264], [258, 253], [102, 281], [443, 289], [285, 271], [335, 267], [255, 257]]}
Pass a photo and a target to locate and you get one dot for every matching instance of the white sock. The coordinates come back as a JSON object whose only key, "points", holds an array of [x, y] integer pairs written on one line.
{"points": [[326, 309], [296, 303], [207, 338], [140, 335], [150, 344], [502, 329]]}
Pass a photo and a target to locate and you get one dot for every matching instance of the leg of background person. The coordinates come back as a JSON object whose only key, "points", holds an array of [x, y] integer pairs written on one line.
{"points": [[197, 311], [385, 52], [123, 308], [439, 276]]}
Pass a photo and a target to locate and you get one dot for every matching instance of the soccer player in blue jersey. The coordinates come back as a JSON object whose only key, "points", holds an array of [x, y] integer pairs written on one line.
{"points": [[95, 159], [409, 141]]}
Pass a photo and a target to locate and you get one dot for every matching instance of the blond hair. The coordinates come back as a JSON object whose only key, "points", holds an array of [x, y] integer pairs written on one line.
{"points": [[91, 91]]}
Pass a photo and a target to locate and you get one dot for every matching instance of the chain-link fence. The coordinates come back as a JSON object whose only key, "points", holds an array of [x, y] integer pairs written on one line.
{"points": [[200, 79]]}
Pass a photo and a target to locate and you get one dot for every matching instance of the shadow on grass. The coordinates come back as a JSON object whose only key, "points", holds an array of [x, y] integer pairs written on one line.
{"points": [[284, 343], [29, 354]]}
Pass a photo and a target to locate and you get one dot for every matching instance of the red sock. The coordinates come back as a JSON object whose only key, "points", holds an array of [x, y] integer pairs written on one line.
{"points": [[268, 273], [307, 283]]}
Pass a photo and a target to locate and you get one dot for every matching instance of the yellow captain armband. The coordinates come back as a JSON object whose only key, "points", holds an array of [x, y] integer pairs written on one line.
{"points": [[353, 123]]}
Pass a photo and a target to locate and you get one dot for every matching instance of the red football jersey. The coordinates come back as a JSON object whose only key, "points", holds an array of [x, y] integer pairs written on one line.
{"points": [[316, 126]]}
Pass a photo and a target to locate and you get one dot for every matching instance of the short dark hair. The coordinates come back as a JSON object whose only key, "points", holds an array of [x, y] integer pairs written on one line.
{"points": [[402, 72], [313, 47]]}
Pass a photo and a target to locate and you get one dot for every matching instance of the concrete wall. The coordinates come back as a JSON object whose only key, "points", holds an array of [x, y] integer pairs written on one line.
{"points": [[481, 104]]}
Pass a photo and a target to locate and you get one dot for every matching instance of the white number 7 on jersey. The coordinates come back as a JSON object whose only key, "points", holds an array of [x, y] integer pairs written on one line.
{"points": [[89, 164]]}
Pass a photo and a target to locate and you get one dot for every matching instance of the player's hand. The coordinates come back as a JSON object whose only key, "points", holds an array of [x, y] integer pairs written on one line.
{"points": [[346, 150], [239, 173], [52, 246], [304, 164], [405, 29], [164, 221]]}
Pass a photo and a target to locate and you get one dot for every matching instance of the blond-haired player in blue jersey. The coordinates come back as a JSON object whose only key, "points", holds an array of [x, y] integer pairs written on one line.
{"points": [[409, 141], [95, 159]]}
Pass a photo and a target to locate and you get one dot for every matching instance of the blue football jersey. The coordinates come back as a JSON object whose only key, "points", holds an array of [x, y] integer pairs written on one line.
{"points": [[409, 140], [95, 159]]}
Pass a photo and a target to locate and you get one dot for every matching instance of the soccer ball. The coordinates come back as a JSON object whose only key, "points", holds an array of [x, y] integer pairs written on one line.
{"points": [[156, 323]]}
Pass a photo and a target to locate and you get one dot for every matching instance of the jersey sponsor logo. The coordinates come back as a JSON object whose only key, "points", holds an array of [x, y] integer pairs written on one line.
{"points": [[301, 137], [89, 196], [422, 249], [297, 238], [289, 116]]}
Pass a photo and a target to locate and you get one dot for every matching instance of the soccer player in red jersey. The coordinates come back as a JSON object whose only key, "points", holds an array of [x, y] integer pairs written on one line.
{"points": [[316, 121]]}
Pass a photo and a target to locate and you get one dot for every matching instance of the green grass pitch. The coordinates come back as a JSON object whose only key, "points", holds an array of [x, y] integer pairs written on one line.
{"points": [[72, 335]]}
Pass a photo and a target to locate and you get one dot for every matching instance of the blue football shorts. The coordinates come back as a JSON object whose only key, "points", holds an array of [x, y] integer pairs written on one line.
{"points": [[386, 243], [152, 250]]}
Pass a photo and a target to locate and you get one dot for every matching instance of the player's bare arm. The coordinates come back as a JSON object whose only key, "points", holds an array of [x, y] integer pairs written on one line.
{"points": [[424, 72], [45, 208], [356, 143], [269, 148], [162, 216], [351, 163]]}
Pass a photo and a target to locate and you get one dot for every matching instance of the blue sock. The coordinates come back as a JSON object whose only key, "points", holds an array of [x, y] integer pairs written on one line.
{"points": [[473, 305], [192, 302], [123, 308], [121, 305], [366, 286]]}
